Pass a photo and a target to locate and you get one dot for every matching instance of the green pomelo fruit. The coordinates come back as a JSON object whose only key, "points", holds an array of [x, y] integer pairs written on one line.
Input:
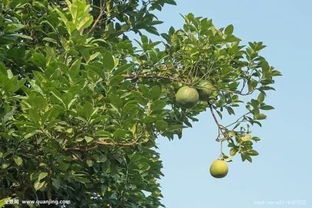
{"points": [[206, 90], [219, 169], [187, 96]]}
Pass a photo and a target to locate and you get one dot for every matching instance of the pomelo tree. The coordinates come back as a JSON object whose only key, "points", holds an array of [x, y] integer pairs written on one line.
{"points": [[82, 104]]}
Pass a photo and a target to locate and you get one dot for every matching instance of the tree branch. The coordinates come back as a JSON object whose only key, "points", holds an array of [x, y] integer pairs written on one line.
{"points": [[221, 128], [153, 76], [97, 19], [103, 143], [156, 76], [237, 120]]}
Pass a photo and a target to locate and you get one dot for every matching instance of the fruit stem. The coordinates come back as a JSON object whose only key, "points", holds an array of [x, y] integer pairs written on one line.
{"points": [[221, 128]]}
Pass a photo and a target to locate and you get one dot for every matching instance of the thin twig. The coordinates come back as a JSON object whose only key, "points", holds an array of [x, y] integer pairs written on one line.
{"points": [[243, 87], [103, 143], [221, 128], [97, 19], [237, 120], [153, 76], [214, 116]]}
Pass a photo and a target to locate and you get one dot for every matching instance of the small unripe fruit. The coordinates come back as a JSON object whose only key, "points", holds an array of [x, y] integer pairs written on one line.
{"points": [[187, 96], [219, 169]]}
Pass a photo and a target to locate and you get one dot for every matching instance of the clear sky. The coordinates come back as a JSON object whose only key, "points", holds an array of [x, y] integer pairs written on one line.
{"points": [[282, 172]]}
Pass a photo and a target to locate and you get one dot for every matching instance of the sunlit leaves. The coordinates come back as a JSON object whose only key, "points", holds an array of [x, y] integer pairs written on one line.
{"points": [[80, 16], [18, 160], [8, 82]]}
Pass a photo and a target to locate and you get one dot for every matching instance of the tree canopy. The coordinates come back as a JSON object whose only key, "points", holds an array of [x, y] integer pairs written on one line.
{"points": [[82, 104]]}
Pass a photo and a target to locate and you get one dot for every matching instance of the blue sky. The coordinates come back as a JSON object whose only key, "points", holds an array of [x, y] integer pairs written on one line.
{"points": [[282, 172]]}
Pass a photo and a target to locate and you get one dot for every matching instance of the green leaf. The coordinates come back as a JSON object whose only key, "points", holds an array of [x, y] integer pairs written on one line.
{"points": [[253, 152], [38, 59], [4, 201], [58, 97], [37, 102], [120, 133], [267, 107], [3, 70], [94, 56], [89, 163], [161, 125], [18, 160], [158, 105], [74, 70], [84, 23], [229, 30], [42, 175], [102, 133], [56, 183], [50, 40], [252, 84], [123, 69], [143, 166], [233, 151], [116, 80], [34, 116], [260, 116], [87, 110], [30, 134], [246, 137], [5, 165], [101, 158], [155, 92], [108, 61], [261, 97], [256, 139], [39, 185], [116, 101], [88, 139], [152, 30], [230, 110], [22, 36], [248, 158]]}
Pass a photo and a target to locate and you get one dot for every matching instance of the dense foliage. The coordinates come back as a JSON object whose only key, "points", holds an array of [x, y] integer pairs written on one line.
{"points": [[81, 104]]}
